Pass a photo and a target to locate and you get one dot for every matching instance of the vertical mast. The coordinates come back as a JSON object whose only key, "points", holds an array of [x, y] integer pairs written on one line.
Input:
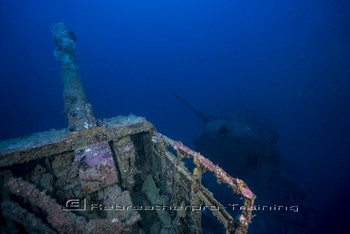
{"points": [[78, 110]]}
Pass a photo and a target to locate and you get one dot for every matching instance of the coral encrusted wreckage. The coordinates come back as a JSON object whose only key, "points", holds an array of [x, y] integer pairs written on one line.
{"points": [[116, 175]]}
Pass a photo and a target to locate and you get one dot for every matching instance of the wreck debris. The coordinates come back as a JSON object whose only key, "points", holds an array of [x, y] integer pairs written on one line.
{"points": [[152, 192], [96, 167], [125, 152], [115, 195], [152, 160], [63, 222], [121, 169], [29, 221]]}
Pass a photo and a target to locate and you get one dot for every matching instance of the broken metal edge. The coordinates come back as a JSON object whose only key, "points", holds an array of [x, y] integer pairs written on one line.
{"points": [[54, 142]]}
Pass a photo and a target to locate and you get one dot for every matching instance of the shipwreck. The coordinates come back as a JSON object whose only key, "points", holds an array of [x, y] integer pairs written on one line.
{"points": [[116, 175]]}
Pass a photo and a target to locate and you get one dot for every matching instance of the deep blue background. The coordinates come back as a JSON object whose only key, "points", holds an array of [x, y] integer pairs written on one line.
{"points": [[287, 61]]}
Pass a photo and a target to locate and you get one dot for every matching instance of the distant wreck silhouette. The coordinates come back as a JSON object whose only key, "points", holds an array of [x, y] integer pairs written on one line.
{"points": [[249, 149]]}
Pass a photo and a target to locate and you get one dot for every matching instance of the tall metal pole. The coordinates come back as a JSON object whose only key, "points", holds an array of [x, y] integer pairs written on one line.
{"points": [[78, 110]]}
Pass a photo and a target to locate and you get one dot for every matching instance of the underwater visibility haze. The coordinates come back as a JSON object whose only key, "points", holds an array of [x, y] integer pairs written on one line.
{"points": [[280, 69]]}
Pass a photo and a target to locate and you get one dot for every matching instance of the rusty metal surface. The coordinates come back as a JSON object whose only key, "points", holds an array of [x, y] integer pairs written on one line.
{"points": [[96, 162], [63, 222], [96, 167], [43, 144], [77, 109], [117, 160], [202, 163]]}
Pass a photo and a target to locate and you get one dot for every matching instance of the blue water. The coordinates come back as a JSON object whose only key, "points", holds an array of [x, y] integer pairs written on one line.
{"points": [[287, 61]]}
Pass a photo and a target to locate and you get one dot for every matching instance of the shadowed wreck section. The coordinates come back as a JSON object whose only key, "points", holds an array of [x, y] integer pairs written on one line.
{"points": [[249, 148], [118, 176]]}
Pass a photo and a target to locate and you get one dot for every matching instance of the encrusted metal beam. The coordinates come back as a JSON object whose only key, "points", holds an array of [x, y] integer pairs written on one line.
{"points": [[62, 221], [238, 186], [78, 110], [28, 220], [44, 144]]}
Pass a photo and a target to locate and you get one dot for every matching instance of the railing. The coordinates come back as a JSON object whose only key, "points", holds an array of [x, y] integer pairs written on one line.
{"points": [[202, 164]]}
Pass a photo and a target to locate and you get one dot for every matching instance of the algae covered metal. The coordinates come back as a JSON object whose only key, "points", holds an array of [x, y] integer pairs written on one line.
{"points": [[116, 175]]}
